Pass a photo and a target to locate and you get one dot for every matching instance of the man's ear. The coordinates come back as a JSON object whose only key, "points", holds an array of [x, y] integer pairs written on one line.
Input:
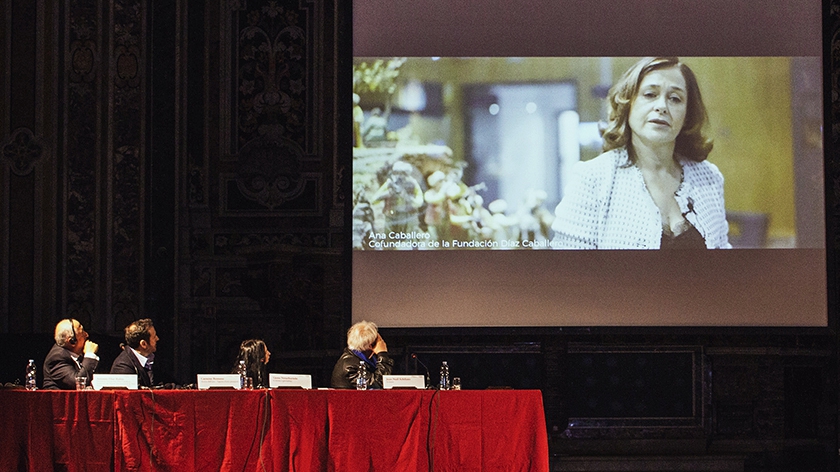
{"points": [[143, 344]]}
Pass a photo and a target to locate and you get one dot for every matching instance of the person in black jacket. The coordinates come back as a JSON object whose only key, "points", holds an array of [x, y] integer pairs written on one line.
{"points": [[364, 344], [138, 355], [71, 353]]}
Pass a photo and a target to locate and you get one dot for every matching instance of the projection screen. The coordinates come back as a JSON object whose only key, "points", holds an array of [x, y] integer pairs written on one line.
{"points": [[474, 122]]}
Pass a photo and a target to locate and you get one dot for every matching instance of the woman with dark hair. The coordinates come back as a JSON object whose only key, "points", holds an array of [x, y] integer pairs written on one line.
{"points": [[256, 355], [652, 188]]}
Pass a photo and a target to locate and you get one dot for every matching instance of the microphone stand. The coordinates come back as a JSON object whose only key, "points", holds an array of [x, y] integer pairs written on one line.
{"points": [[428, 376]]}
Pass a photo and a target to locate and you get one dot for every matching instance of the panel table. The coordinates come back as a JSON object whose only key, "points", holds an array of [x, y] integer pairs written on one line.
{"points": [[274, 430]]}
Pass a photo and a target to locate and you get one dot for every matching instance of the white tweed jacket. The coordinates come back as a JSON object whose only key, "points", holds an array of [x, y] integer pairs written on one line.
{"points": [[608, 206]]}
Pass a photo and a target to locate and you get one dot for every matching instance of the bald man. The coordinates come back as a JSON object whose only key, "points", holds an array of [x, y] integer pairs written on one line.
{"points": [[72, 352]]}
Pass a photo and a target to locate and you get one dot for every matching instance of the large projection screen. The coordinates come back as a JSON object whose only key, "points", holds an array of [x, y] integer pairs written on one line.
{"points": [[455, 195]]}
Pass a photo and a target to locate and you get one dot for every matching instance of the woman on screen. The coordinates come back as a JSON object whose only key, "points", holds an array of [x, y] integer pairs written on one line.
{"points": [[256, 355], [652, 188]]}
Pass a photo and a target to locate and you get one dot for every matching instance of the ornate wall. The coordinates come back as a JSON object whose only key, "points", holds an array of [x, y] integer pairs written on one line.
{"points": [[263, 207], [173, 159], [183, 159], [73, 131]]}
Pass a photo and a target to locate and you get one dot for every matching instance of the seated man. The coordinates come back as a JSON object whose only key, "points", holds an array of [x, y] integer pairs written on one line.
{"points": [[364, 344], [72, 353], [138, 354]]}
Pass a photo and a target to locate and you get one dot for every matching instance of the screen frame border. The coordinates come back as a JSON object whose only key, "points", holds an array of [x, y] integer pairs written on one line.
{"points": [[831, 180]]}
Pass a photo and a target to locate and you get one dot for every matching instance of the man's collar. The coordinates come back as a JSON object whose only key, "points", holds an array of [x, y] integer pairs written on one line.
{"points": [[69, 348], [140, 357]]}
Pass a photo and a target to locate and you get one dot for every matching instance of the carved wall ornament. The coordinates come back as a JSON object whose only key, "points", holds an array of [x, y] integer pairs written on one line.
{"points": [[22, 151], [269, 171], [83, 58], [127, 70], [236, 243], [195, 186], [80, 150], [271, 83]]}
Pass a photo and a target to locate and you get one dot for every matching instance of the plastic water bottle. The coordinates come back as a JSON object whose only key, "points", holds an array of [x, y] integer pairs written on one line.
{"points": [[243, 375], [444, 376], [361, 380], [31, 383]]}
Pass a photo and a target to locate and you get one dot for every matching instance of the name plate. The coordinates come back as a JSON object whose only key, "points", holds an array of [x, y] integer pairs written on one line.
{"points": [[290, 381], [207, 381], [114, 381], [404, 381]]}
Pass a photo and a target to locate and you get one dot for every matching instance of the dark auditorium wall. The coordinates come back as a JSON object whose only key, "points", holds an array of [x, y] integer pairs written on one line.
{"points": [[158, 161]]}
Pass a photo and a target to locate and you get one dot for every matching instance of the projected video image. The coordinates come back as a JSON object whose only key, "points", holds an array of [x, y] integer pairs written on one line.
{"points": [[495, 153]]}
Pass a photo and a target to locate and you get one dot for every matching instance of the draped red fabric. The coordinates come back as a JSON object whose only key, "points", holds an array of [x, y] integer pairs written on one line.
{"points": [[489, 432], [273, 430], [299, 428], [463, 430], [69, 431], [169, 430], [378, 430]]}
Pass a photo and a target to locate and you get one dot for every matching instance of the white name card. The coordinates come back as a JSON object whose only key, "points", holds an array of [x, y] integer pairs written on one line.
{"points": [[404, 381], [290, 381], [207, 381], [128, 381]]}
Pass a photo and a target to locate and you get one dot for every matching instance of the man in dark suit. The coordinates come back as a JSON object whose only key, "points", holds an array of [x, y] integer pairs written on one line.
{"points": [[72, 353], [138, 354]]}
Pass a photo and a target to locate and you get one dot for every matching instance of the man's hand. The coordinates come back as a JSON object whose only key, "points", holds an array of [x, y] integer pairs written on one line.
{"points": [[380, 345], [91, 347]]}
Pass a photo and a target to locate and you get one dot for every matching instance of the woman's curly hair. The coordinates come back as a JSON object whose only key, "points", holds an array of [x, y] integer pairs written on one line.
{"points": [[691, 143]]}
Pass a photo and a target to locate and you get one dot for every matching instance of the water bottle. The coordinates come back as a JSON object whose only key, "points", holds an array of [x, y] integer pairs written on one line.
{"points": [[31, 383], [361, 380], [243, 375], [444, 376]]}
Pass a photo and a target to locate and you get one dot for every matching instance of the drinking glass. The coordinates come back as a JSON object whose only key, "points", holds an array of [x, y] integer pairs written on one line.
{"points": [[81, 381]]}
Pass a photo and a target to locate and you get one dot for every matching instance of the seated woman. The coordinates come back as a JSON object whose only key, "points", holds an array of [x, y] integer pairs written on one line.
{"points": [[256, 355], [364, 344], [652, 188]]}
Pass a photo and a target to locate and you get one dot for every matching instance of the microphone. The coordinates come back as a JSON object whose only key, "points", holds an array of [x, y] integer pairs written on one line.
{"points": [[428, 377], [690, 207]]}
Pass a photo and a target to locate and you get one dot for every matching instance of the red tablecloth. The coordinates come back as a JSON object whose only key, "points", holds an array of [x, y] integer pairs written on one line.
{"points": [[274, 430], [56, 431]]}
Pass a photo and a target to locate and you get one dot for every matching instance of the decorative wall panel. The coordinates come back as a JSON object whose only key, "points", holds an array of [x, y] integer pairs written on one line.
{"points": [[28, 31], [126, 164], [72, 133], [271, 51], [262, 240], [81, 151], [103, 168], [273, 71]]}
